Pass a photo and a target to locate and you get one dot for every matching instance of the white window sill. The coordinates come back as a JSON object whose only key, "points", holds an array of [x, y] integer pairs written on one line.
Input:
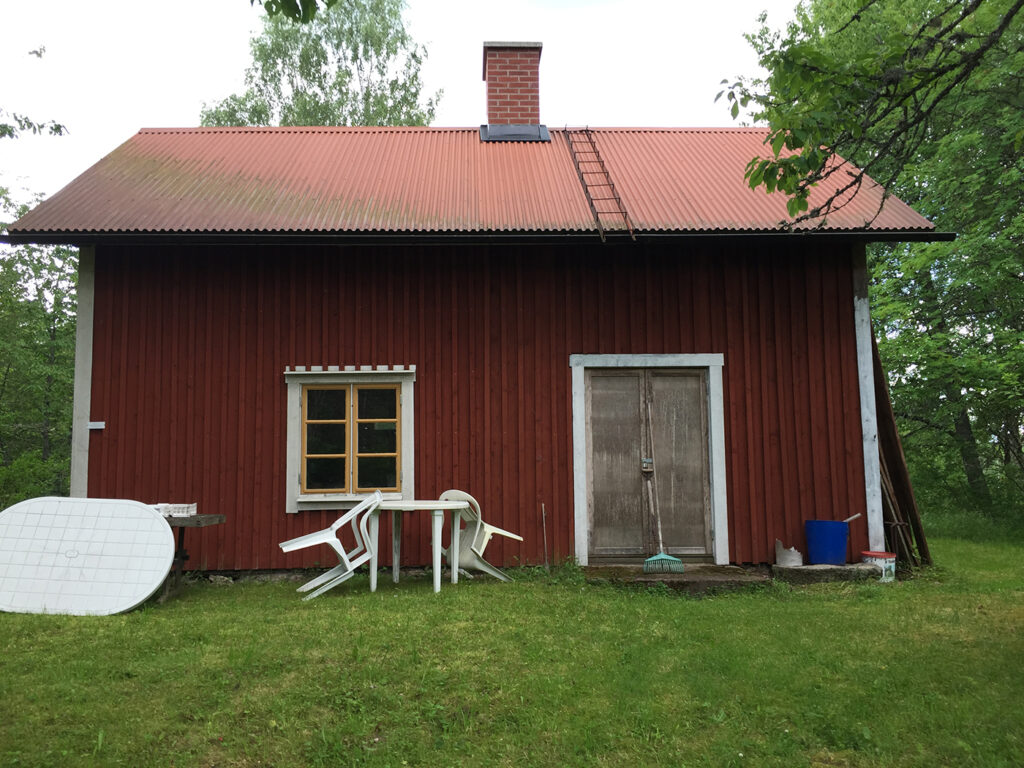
{"points": [[336, 500]]}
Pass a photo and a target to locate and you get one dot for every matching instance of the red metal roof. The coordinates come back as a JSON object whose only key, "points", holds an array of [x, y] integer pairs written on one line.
{"points": [[337, 180]]}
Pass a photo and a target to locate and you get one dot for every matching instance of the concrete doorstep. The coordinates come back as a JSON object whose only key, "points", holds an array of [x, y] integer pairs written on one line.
{"points": [[698, 579], [818, 574]]}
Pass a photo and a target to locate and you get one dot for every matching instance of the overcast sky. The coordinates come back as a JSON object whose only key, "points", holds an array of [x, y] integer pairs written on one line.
{"points": [[114, 66]]}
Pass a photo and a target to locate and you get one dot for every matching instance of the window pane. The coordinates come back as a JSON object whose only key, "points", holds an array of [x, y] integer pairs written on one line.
{"points": [[378, 472], [325, 438], [325, 403], [325, 473], [378, 437], [378, 403]]}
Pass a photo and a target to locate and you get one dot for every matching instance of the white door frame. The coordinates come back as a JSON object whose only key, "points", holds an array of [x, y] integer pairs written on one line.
{"points": [[716, 440]]}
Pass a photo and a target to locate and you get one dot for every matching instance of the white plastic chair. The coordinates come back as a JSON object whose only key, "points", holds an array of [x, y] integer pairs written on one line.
{"points": [[473, 540], [350, 559]]}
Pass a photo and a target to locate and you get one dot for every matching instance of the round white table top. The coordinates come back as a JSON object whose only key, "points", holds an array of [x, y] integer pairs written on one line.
{"points": [[81, 556]]}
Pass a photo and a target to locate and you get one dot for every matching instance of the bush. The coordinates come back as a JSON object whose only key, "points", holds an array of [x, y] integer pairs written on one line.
{"points": [[28, 476], [971, 526]]}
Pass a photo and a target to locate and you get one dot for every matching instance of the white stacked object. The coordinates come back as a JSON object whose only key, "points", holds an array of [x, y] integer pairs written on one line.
{"points": [[81, 556], [175, 510]]}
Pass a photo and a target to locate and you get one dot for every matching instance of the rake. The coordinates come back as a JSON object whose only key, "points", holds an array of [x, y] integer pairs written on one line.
{"points": [[661, 562]]}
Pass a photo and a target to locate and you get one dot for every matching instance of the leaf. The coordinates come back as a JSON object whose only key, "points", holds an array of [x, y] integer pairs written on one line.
{"points": [[756, 176], [793, 207]]}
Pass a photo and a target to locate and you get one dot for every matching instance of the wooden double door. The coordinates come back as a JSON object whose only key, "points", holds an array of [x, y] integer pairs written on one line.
{"points": [[648, 457]]}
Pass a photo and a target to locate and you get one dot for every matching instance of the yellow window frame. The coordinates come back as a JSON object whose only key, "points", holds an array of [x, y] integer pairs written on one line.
{"points": [[306, 421], [397, 421], [352, 455]]}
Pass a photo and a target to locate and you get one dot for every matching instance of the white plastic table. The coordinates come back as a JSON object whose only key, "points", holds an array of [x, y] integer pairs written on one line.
{"points": [[437, 510], [84, 557]]}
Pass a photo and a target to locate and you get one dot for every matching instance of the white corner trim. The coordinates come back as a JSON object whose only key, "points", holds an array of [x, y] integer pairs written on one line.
{"points": [[581, 515], [868, 412], [82, 397], [300, 375], [716, 439]]}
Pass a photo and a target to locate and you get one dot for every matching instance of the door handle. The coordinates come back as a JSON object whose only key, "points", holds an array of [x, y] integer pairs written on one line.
{"points": [[647, 465]]}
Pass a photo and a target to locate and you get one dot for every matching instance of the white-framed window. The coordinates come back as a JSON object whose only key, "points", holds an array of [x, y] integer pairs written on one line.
{"points": [[350, 432]]}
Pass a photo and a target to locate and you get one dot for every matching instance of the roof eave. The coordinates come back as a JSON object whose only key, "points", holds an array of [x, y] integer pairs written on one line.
{"points": [[249, 237]]}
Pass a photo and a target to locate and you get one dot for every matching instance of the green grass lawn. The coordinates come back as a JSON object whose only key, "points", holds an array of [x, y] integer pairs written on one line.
{"points": [[545, 671]]}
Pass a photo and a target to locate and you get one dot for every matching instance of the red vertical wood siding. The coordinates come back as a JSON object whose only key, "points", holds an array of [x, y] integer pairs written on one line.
{"points": [[191, 343]]}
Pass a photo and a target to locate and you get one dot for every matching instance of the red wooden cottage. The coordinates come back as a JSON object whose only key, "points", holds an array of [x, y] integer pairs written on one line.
{"points": [[273, 321]]}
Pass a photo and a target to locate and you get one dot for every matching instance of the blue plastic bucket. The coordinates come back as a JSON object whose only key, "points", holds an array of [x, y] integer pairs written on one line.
{"points": [[826, 541]]}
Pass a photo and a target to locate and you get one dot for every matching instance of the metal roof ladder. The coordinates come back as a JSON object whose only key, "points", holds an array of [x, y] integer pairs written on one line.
{"points": [[609, 213]]}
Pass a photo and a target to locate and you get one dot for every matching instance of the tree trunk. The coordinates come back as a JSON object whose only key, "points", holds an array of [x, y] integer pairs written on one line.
{"points": [[46, 447], [963, 432], [5, 459], [972, 461]]}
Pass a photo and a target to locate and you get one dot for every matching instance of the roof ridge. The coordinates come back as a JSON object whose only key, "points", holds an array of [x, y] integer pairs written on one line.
{"points": [[673, 129], [290, 129]]}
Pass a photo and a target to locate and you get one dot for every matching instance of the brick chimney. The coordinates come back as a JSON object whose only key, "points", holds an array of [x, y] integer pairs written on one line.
{"points": [[513, 83]]}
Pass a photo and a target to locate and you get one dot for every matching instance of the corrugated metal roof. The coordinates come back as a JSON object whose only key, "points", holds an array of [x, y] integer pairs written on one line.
{"points": [[336, 180], [693, 180]]}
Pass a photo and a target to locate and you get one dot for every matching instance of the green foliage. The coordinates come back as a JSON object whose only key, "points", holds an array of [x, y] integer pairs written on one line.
{"points": [[950, 316], [351, 64], [29, 476], [298, 10], [12, 124], [37, 345], [968, 527], [865, 81], [928, 96]]}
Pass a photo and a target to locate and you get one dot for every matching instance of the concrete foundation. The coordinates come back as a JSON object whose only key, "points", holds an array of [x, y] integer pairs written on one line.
{"points": [[817, 574], [697, 579]]}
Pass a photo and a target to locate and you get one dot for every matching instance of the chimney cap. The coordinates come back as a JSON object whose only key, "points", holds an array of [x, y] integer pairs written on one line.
{"points": [[507, 44]]}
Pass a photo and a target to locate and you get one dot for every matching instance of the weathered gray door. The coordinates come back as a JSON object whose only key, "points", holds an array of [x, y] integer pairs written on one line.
{"points": [[636, 414], [617, 435]]}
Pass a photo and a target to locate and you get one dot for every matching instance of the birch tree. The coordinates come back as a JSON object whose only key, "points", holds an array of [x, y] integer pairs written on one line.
{"points": [[353, 63]]}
